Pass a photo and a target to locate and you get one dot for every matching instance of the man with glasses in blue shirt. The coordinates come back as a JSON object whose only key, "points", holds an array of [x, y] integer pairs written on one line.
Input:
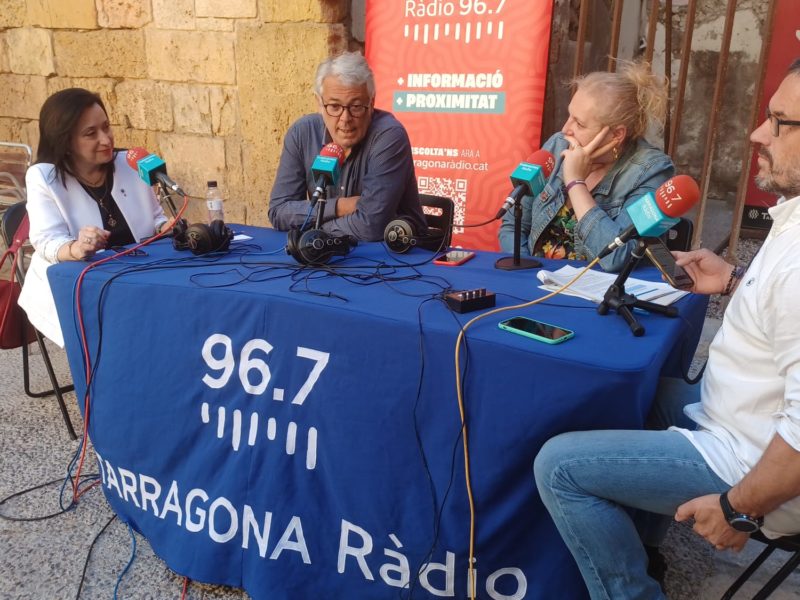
{"points": [[377, 182], [730, 459]]}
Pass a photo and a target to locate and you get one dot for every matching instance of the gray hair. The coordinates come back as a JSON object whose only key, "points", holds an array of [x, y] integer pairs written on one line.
{"points": [[350, 68]]}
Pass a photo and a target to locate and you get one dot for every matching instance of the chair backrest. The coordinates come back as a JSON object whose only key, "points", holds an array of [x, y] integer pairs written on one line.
{"points": [[10, 222], [680, 236], [789, 544], [438, 212], [15, 159]]}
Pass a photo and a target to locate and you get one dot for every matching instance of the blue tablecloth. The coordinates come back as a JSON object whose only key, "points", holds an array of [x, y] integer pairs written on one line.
{"points": [[296, 433]]}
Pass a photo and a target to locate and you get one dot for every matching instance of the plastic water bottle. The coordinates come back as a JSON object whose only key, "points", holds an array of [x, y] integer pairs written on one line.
{"points": [[214, 202]]}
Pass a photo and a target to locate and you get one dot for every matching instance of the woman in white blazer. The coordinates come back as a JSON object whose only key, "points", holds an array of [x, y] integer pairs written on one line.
{"points": [[82, 197]]}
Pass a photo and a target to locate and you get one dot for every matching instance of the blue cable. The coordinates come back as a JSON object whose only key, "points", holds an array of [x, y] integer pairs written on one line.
{"points": [[130, 562], [70, 466], [308, 216]]}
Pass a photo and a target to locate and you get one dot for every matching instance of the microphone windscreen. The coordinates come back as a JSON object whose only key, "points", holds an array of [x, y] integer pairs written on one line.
{"points": [[134, 155], [676, 196], [544, 159], [333, 150]]}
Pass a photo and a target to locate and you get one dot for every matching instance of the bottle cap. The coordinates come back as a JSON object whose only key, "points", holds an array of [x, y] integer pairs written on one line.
{"points": [[212, 183]]}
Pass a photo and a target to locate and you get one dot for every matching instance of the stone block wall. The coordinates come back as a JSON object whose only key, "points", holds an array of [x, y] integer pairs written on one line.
{"points": [[209, 85]]}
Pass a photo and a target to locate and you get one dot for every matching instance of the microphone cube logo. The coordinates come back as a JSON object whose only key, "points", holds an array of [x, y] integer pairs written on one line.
{"points": [[529, 175], [648, 218], [326, 166], [149, 166]]}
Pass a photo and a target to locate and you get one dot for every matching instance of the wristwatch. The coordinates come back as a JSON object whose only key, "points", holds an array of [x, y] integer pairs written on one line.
{"points": [[739, 521]]}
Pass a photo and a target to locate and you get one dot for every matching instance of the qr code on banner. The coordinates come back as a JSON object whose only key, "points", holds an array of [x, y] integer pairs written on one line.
{"points": [[456, 189]]}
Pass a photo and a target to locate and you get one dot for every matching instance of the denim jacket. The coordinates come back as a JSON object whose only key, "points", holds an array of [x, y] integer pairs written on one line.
{"points": [[640, 170]]}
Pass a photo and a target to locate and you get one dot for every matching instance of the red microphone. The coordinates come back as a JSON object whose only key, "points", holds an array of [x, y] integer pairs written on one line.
{"points": [[655, 213], [334, 150], [529, 178], [677, 196], [544, 159], [134, 155]]}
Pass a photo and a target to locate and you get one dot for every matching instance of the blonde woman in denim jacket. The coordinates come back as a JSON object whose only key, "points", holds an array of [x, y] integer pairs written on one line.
{"points": [[607, 165]]}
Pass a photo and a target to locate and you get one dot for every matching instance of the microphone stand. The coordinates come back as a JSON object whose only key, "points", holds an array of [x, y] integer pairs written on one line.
{"points": [[165, 197], [323, 198], [515, 263], [617, 299], [320, 205]]}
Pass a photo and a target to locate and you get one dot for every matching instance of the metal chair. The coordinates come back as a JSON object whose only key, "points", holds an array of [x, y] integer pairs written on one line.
{"points": [[438, 212], [786, 543], [15, 159], [12, 217]]}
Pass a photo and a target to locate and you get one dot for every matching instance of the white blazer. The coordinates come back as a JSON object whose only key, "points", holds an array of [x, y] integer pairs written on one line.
{"points": [[57, 213]]}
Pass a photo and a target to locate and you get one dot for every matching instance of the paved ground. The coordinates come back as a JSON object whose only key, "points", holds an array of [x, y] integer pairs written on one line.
{"points": [[44, 560]]}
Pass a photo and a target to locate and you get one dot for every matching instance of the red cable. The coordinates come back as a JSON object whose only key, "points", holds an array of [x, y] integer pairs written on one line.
{"points": [[185, 587], [76, 492]]}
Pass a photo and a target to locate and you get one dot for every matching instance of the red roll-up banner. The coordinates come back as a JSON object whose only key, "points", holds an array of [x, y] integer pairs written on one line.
{"points": [[785, 47], [467, 79]]}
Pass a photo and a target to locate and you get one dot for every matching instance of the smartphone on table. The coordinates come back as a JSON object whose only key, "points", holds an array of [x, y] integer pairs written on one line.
{"points": [[537, 330], [662, 258], [453, 258]]}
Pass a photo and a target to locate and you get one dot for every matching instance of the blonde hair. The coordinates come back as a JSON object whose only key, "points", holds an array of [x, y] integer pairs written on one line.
{"points": [[633, 97]]}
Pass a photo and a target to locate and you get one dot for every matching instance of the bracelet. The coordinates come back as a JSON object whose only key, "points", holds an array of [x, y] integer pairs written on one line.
{"points": [[736, 274], [572, 184]]}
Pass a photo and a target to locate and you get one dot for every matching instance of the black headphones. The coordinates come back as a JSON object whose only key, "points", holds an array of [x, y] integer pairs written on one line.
{"points": [[400, 236], [316, 247], [201, 238]]}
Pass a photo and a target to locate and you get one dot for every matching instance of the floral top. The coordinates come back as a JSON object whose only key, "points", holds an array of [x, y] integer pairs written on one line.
{"points": [[639, 170], [558, 240]]}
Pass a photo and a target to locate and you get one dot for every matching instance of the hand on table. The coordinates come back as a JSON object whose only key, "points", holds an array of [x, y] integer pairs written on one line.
{"points": [[90, 240]]}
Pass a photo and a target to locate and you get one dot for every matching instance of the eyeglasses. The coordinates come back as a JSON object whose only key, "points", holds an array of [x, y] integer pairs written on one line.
{"points": [[775, 123], [356, 110]]}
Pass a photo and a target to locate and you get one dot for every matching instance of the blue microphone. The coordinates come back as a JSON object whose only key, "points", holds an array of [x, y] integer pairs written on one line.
{"points": [[529, 178], [151, 168], [326, 168], [655, 213]]}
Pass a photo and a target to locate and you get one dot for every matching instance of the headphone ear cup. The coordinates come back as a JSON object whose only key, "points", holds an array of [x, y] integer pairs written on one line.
{"points": [[293, 245], [221, 236], [203, 239], [179, 235], [198, 237], [312, 248], [317, 247], [399, 236]]}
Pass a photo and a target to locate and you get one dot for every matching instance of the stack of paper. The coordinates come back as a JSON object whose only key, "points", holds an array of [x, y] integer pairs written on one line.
{"points": [[594, 284]]}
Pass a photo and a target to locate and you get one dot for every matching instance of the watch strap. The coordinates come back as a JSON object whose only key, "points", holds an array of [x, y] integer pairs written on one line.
{"points": [[732, 515]]}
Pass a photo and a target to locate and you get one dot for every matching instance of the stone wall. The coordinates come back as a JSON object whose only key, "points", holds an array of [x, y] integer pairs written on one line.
{"points": [[210, 85]]}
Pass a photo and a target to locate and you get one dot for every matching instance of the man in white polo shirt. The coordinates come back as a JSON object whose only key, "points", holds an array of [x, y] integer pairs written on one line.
{"points": [[735, 467]]}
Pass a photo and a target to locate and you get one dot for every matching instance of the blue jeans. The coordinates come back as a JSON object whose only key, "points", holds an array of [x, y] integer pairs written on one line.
{"points": [[590, 480]]}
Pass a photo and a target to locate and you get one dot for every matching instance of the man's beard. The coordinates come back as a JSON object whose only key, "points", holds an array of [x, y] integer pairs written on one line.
{"points": [[782, 182]]}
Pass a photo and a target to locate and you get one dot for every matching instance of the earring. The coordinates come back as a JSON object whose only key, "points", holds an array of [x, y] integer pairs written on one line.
{"points": [[615, 153]]}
